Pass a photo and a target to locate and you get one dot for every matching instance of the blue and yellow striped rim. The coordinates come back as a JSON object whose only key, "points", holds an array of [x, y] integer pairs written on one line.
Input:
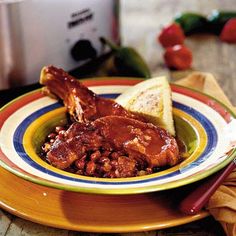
{"points": [[204, 142], [30, 155]]}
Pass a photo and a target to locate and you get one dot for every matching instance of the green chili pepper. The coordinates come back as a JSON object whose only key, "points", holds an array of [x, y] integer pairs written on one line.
{"points": [[128, 61], [217, 20], [192, 23]]}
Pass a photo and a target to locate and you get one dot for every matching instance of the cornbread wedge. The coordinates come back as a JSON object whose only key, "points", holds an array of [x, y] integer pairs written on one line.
{"points": [[151, 99]]}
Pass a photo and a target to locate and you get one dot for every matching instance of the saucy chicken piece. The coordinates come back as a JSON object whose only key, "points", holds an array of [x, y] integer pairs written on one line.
{"points": [[82, 104], [139, 140], [143, 143]]}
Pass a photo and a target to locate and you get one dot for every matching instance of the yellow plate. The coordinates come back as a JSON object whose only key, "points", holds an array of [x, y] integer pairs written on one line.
{"points": [[91, 213]]}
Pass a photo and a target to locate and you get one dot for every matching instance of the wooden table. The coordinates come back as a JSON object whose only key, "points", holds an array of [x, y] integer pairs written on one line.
{"points": [[141, 22]]}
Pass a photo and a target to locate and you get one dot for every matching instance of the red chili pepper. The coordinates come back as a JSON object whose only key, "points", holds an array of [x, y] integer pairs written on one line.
{"points": [[228, 33], [171, 35], [178, 57]]}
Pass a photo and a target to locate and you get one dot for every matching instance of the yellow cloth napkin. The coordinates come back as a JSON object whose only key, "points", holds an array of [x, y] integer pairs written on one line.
{"points": [[222, 204]]}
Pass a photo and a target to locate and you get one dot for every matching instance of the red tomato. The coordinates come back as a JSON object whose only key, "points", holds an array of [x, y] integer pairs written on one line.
{"points": [[171, 35], [228, 33], [178, 57]]}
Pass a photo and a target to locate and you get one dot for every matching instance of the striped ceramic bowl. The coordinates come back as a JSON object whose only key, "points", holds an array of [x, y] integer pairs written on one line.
{"points": [[206, 126]]}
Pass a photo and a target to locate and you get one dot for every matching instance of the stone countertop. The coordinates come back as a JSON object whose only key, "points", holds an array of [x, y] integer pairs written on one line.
{"points": [[141, 22]]}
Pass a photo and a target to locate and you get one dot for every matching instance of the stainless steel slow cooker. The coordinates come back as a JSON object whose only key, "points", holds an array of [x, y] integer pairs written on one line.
{"points": [[65, 33]]}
